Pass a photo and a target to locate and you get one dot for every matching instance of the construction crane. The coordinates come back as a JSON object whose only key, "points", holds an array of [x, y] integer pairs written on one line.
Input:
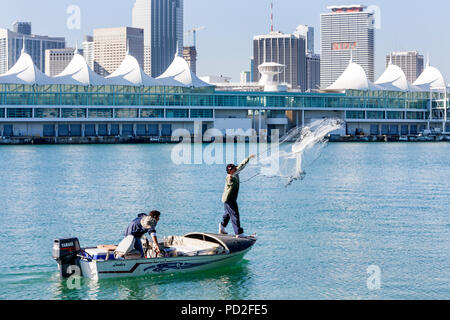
{"points": [[194, 32]]}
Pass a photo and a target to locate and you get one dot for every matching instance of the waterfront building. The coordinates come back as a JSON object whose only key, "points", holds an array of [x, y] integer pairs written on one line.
{"points": [[411, 62], [12, 42], [190, 55], [81, 103], [111, 46], [88, 50], [346, 31], [56, 60], [163, 23], [285, 49]]}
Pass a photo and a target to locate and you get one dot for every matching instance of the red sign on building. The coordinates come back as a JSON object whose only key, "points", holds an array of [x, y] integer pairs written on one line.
{"points": [[343, 46]]}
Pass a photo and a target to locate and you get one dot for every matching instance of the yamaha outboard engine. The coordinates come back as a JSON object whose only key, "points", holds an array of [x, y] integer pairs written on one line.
{"points": [[65, 253]]}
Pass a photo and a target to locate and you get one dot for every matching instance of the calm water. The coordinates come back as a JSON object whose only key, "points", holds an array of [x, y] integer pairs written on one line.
{"points": [[361, 204]]}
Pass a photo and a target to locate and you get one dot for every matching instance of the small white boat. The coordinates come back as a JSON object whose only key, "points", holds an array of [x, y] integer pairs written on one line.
{"points": [[192, 252]]}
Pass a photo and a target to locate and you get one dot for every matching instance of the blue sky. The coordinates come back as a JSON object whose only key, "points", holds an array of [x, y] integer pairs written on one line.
{"points": [[225, 46]]}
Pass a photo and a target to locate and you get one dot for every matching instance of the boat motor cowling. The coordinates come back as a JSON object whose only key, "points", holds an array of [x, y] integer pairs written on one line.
{"points": [[65, 253]]}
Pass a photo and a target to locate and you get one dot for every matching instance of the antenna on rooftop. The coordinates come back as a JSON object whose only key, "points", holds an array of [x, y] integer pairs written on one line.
{"points": [[271, 16]]}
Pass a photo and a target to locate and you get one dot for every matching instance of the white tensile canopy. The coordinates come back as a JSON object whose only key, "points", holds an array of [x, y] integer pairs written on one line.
{"points": [[25, 72], [353, 78], [431, 78], [394, 79], [179, 70], [130, 73], [78, 72]]}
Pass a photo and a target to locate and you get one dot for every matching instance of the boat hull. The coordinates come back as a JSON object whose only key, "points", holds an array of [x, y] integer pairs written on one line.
{"points": [[97, 269]]}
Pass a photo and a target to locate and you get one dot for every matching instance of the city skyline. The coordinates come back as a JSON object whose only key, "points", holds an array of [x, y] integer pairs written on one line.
{"points": [[394, 35]]}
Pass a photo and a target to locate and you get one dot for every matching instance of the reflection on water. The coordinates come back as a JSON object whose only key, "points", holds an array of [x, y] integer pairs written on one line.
{"points": [[223, 284]]}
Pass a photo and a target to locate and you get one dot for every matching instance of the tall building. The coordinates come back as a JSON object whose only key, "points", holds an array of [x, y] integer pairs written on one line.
{"points": [[162, 22], [88, 50], [22, 27], [190, 55], [245, 77], [312, 59], [346, 31], [56, 60], [411, 62], [308, 33], [111, 46], [252, 75], [285, 49], [11, 44], [312, 72]]}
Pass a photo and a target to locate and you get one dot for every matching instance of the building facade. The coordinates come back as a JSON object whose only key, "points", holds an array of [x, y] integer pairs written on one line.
{"points": [[346, 31], [286, 49], [56, 60], [245, 77], [190, 55], [111, 46], [147, 111], [163, 25], [22, 27], [411, 62], [88, 50], [308, 33], [11, 44], [312, 72]]}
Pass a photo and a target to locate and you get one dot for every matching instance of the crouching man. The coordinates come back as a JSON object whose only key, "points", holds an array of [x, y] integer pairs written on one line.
{"points": [[136, 230]]}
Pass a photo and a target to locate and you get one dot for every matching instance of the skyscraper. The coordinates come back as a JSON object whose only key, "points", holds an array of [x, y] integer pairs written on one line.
{"points": [[346, 31], [245, 77], [190, 55], [22, 27], [162, 22], [312, 71], [11, 44], [312, 59], [56, 60], [308, 33], [111, 46], [285, 49], [411, 62], [88, 50]]}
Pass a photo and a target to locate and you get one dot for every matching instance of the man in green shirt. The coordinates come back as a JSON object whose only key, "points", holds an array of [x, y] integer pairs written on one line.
{"points": [[230, 196]]}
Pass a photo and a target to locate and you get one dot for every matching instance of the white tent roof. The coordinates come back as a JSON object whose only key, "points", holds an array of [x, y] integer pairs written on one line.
{"points": [[353, 78], [179, 70], [78, 72], [25, 72], [430, 78], [394, 79], [130, 73]]}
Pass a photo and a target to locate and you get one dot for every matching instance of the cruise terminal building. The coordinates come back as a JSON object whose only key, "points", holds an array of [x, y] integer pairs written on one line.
{"points": [[129, 103]]}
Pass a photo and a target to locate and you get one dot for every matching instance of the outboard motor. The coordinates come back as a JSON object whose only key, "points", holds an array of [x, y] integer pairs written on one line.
{"points": [[65, 253]]}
